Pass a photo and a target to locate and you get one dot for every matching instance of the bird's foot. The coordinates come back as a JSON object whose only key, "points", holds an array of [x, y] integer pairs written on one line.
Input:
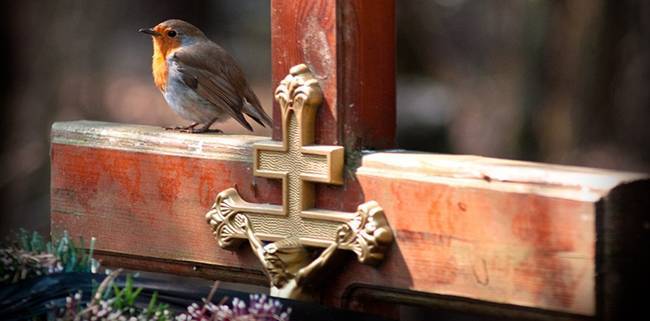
{"points": [[194, 130], [184, 129], [202, 130]]}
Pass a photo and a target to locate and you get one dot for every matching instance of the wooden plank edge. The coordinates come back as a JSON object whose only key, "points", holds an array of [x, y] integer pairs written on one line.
{"points": [[110, 259], [569, 182], [156, 140]]}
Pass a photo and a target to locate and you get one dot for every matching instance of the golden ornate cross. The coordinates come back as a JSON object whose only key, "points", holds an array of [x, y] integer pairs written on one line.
{"points": [[299, 164]]}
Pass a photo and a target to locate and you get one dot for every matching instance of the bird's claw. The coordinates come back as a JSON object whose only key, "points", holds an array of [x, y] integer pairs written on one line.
{"points": [[193, 130], [182, 128], [200, 130]]}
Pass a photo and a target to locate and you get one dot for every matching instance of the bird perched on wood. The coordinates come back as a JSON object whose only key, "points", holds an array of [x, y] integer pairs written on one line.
{"points": [[200, 81]]}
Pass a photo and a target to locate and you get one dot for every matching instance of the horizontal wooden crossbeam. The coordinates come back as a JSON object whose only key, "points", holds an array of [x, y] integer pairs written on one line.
{"points": [[539, 236]]}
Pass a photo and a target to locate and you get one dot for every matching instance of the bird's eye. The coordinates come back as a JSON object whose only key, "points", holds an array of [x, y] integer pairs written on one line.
{"points": [[171, 33]]}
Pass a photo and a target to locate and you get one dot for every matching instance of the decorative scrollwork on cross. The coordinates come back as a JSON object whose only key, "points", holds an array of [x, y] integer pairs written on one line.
{"points": [[225, 219], [367, 234]]}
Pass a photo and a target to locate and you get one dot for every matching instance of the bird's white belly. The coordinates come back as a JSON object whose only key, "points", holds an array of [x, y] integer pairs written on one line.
{"points": [[186, 102]]}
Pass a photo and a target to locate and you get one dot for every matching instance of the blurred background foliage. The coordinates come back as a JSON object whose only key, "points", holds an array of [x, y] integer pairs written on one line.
{"points": [[562, 81]]}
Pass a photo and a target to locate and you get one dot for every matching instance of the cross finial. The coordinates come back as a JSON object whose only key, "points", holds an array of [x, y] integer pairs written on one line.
{"points": [[299, 93]]}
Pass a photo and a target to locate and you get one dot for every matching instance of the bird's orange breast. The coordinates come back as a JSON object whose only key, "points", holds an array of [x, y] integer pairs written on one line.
{"points": [[161, 50], [160, 73]]}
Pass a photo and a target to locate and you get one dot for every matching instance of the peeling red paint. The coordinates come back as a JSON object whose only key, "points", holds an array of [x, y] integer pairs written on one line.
{"points": [[169, 182], [85, 183], [125, 170]]}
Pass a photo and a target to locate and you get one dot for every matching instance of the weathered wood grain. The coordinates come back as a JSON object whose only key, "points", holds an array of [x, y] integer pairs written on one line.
{"points": [[499, 231], [350, 48]]}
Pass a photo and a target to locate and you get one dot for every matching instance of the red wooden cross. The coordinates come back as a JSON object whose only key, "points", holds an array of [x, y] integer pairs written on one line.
{"points": [[553, 238]]}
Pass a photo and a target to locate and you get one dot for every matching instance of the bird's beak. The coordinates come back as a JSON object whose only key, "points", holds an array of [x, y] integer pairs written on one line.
{"points": [[149, 31]]}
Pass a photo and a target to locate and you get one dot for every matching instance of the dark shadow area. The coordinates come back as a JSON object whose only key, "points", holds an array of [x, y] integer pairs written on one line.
{"points": [[413, 305]]}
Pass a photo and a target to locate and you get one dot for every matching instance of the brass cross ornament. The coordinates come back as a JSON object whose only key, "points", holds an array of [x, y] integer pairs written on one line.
{"points": [[295, 228]]}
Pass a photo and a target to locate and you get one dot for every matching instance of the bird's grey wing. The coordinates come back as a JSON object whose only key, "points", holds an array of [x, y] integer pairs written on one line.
{"points": [[214, 87]]}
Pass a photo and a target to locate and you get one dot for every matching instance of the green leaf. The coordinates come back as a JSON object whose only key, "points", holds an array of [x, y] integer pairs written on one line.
{"points": [[152, 304], [117, 293], [72, 261], [91, 249], [36, 242], [134, 296], [94, 287], [23, 238], [117, 297]]}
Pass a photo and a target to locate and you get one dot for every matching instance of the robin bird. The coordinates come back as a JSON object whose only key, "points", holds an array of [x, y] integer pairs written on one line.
{"points": [[200, 81]]}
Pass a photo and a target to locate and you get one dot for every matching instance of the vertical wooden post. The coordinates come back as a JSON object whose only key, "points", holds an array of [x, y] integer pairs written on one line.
{"points": [[350, 47]]}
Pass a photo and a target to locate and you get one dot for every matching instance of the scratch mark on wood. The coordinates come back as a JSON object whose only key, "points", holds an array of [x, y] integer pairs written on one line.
{"points": [[481, 274]]}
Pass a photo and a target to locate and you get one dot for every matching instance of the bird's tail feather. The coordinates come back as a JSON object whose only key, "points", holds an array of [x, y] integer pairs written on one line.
{"points": [[257, 114]]}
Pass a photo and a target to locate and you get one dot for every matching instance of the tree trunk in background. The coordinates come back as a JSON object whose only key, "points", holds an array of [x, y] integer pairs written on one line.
{"points": [[613, 119], [564, 30], [592, 90]]}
